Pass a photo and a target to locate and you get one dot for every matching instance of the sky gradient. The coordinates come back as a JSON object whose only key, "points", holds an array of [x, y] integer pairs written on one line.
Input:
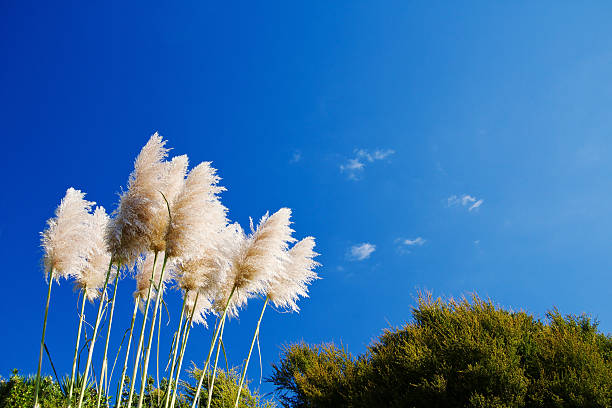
{"points": [[426, 146]]}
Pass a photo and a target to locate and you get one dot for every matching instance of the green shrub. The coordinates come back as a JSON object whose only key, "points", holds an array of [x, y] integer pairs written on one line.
{"points": [[457, 354], [225, 391], [18, 392]]}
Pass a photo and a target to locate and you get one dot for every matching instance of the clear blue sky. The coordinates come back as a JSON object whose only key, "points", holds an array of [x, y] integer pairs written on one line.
{"points": [[382, 126]]}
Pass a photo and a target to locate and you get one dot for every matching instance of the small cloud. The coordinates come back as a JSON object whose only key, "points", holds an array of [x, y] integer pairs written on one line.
{"points": [[405, 243], [354, 167], [417, 241], [362, 251], [465, 200], [297, 156], [476, 205], [377, 154], [477, 242]]}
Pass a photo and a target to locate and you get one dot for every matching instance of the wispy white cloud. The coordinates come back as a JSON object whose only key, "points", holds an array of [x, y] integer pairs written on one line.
{"points": [[465, 200], [362, 251], [476, 205], [419, 241], [405, 244], [296, 157], [354, 167], [378, 154]]}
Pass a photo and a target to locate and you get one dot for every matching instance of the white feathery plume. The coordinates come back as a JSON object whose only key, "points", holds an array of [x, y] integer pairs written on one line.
{"points": [[204, 273], [266, 248], [202, 307], [65, 240], [207, 274], [144, 267], [175, 177], [174, 180], [197, 214], [130, 233], [91, 278], [293, 279], [255, 259], [233, 247]]}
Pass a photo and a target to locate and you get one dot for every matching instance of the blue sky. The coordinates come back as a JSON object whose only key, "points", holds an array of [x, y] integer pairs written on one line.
{"points": [[427, 146]]}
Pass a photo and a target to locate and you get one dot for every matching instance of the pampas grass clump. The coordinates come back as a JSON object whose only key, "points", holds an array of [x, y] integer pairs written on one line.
{"points": [[171, 228]]}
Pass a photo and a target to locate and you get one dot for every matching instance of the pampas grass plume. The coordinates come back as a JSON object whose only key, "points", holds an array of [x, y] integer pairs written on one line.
{"points": [[174, 180], [293, 279], [202, 307], [197, 214], [144, 266], [65, 240], [266, 248], [255, 258], [91, 278], [132, 230]]}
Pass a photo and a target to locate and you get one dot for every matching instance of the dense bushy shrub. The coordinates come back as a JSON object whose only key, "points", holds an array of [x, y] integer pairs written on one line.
{"points": [[458, 354], [224, 391], [18, 392]]}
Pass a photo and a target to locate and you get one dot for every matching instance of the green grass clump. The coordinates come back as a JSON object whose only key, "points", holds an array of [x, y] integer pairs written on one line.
{"points": [[458, 354]]}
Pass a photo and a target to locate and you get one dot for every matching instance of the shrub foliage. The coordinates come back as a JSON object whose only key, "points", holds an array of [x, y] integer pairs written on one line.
{"points": [[18, 392], [466, 353]]}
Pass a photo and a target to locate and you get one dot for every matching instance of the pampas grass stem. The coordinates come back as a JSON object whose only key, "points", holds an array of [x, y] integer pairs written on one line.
{"points": [[142, 331], [42, 340], [212, 346], [76, 347], [246, 364], [104, 372], [182, 352], [127, 354], [174, 351], [160, 290], [95, 333], [212, 382], [157, 358]]}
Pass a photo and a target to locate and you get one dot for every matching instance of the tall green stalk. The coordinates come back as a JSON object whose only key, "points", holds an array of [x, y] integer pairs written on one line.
{"points": [[142, 331], [127, 354], [95, 333], [157, 359], [182, 353], [212, 346], [76, 347], [246, 364], [104, 372], [174, 351], [212, 382], [160, 293], [42, 340]]}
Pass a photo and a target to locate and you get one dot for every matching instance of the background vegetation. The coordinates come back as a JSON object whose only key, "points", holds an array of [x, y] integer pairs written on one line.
{"points": [[467, 353], [457, 354], [18, 392]]}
